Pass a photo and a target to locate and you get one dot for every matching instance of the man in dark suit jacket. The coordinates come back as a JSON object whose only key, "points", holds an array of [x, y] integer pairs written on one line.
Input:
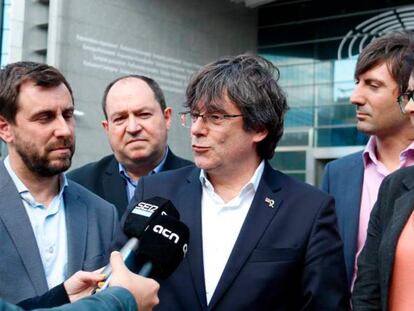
{"points": [[50, 227], [354, 180], [259, 240], [103, 178], [136, 122]]}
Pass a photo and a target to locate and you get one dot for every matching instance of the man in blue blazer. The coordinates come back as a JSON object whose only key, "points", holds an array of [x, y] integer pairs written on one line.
{"points": [[259, 240], [50, 227], [346, 188], [136, 123], [381, 75]]}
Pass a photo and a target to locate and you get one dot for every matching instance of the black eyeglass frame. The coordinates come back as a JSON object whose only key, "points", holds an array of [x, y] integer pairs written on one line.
{"points": [[402, 103], [208, 118]]}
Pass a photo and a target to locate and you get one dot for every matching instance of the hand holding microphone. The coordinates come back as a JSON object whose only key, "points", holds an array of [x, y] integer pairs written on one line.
{"points": [[136, 222], [163, 246], [144, 290]]}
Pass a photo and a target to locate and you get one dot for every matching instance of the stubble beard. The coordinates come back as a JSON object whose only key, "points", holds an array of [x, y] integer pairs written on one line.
{"points": [[40, 164]]}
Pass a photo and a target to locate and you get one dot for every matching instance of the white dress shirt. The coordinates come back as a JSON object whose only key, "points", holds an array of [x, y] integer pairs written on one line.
{"points": [[221, 224]]}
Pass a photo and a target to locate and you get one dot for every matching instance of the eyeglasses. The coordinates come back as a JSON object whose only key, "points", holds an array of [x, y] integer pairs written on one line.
{"points": [[403, 100], [215, 119]]}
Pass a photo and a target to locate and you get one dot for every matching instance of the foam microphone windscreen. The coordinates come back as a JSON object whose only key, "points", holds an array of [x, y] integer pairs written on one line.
{"points": [[144, 212], [164, 244]]}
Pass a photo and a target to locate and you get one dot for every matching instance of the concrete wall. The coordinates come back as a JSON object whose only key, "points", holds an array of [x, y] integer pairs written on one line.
{"points": [[95, 41], [28, 31]]}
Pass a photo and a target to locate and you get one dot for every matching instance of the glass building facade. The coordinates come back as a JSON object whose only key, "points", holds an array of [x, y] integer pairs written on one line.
{"points": [[315, 47], [4, 39], [314, 44]]}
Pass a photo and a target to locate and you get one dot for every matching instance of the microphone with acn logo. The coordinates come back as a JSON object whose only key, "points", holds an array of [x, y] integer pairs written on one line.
{"points": [[136, 222], [163, 246]]}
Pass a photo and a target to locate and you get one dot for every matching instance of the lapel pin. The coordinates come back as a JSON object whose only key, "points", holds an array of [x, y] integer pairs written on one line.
{"points": [[270, 202]]}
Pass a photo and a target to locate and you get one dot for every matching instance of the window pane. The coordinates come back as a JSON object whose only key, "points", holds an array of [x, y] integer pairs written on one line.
{"points": [[289, 160]]}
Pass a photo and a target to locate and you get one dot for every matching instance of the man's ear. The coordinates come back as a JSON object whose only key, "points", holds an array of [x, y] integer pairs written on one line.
{"points": [[260, 135], [5, 130], [167, 116], [104, 124]]}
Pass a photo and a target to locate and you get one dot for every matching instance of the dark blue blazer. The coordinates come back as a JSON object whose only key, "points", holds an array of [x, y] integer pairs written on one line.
{"points": [[287, 256], [343, 180], [102, 178]]}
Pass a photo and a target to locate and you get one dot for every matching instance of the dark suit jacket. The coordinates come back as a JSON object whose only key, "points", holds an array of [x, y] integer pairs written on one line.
{"points": [[56, 296], [92, 225], [394, 206], [286, 257], [103, 179], [343, 180]]}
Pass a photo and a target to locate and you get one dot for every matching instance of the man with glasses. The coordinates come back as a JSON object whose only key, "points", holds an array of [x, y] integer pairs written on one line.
{"points": [[260, 240], [382, 72], [137, 121], [406, 98]]}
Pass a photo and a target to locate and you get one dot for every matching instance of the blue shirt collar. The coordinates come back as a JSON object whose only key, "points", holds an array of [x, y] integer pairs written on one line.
{"points": [[157, 169]]}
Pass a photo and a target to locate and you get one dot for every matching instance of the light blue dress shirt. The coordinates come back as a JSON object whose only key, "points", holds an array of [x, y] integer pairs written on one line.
{"points": [[131, 185], [49, 228]]}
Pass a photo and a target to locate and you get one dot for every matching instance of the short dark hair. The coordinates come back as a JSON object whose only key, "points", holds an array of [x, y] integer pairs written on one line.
{"points": [[250, 82], [396, 50], [154, 86], [12, 76]]}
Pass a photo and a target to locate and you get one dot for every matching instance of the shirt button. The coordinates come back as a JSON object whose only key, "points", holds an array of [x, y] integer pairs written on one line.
{"points": [[50, 250]]}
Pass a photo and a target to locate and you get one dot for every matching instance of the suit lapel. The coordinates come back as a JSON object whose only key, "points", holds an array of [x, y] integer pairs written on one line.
{"points": [[17, 223], [114, 187], [258, 218], [169, 163], [190, 210], [76, 227], [351, 180]]}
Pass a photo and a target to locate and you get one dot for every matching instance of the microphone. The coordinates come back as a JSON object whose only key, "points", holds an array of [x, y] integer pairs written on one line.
{"points": [[135, 224], [163, 246], [144, 212]]}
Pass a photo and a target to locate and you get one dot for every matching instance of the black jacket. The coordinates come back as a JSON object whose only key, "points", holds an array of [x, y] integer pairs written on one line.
{"points": [[394, 206], [102, 178], [57, 296]]}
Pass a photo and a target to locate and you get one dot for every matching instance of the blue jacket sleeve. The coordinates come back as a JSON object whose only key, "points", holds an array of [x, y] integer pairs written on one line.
{"points": [[111, 299]]}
